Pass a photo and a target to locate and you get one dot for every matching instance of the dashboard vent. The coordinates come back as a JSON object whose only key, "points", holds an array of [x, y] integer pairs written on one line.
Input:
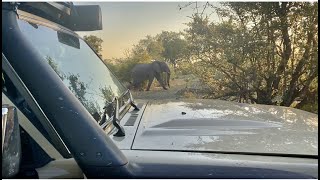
{"points": [[134, 115], [131, 120]]}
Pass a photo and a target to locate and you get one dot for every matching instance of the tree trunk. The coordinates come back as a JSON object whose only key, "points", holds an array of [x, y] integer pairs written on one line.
{"points": [[264, 98], [286, 53]]}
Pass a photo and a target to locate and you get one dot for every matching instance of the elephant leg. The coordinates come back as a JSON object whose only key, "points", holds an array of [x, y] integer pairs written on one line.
{"points": [[168, 79], [135, 83], [159, 79], [150, 82]]}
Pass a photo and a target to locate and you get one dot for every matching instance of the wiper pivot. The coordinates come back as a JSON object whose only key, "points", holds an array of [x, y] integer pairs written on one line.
{"points": [[135, 106], [132, 102]]}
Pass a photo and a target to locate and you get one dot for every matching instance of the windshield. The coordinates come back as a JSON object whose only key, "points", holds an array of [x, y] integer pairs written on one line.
{"points": [[80, 69], [218, 76]]}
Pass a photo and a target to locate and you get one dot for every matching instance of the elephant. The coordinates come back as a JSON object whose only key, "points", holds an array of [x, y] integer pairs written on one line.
{"points": [[142, 72]]}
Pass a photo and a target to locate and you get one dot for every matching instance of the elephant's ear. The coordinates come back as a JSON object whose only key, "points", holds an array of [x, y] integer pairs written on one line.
{"points": [[164, 67], [167, 67], [156, 65]]}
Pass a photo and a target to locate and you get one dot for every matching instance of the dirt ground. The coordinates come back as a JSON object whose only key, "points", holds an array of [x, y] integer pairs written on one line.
{"points": [[178, 89]]}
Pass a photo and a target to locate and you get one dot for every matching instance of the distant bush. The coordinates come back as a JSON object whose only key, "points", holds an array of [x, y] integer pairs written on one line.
{"points": [[122, 67], [310, 108], [185, 68]]}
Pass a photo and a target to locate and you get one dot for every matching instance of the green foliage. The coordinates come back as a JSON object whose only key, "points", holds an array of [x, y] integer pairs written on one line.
{"points": [[95, 43], [55, 67], [311, 107], [147, 49], [77, 87], [261, 52], [174, 46], [185, 68], [166, 46], [107, 93], [122, 67]]}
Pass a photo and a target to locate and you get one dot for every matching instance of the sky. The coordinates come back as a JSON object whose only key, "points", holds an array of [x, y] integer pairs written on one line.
{"points": [[125, 23]]}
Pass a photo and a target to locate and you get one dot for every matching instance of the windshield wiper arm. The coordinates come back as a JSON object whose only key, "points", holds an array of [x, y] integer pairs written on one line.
{"points": [[132, 101], [115, 112], [115, 120], [114, 116]]}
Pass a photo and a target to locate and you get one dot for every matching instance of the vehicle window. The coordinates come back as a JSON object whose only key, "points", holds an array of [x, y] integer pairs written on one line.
{"points": [[9, 89], [32, 155], [80, 69]]}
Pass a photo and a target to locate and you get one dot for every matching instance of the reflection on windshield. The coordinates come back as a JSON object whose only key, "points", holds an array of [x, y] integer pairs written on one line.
{"points": [[78, 66]]}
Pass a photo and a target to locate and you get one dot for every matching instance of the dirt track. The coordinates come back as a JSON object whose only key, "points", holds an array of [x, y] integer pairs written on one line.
{"points": [[177, 87], [157, 92]]}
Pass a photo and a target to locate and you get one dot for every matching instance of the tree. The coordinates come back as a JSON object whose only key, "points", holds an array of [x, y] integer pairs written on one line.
{"points": [[174, 46], [265, 53], [95, 43], [149, 46], [169, 46]]}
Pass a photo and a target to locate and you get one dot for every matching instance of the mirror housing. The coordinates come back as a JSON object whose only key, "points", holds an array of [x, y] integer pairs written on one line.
{"points": [[85, 18], [11, 143]]}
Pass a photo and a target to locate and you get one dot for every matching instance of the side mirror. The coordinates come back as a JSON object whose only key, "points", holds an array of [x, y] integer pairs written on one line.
{"points": [[85, 18], [11, 143]]}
